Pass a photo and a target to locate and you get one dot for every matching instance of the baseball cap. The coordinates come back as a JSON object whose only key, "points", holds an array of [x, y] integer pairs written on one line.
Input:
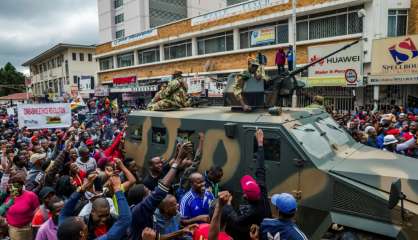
{"points": [[389, 139], [37, 156], [250, 188], [45, 191], [284, 202], [393, 132], [34, 139], [89, 142]]}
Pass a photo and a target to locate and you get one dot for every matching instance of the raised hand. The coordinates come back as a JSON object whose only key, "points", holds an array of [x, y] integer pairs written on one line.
{"points": [[259, 135], [115, 182], [224, 198]]}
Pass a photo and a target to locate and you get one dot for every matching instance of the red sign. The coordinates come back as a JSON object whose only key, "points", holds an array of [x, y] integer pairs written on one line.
{"points": [[124, 80]]}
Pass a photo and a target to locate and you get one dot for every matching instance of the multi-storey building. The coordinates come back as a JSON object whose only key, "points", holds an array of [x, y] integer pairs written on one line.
{"points": [[58, 70], [218, 43], [122, 18]]}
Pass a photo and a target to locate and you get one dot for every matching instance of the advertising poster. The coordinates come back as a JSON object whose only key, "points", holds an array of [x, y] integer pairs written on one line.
{"points": [[85, 83], [195, 85], [101, 91], [263, 36], [48, 115], [216, 89], [395, 61], [341, 69]]}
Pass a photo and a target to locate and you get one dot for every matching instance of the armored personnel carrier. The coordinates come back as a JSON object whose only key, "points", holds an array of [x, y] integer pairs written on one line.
{"points": [[335, 179]]}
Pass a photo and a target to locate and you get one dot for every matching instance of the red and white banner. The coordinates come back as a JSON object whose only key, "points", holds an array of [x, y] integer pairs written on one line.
{"points": [[124, 80], [48, 115]]}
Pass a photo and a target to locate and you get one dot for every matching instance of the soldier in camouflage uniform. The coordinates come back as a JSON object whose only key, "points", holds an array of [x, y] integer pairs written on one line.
{"points": [[172, 97], [241, 78]]}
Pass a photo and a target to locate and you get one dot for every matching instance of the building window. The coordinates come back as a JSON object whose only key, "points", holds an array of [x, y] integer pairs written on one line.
{"points": [[119, 18], [178, 50], [53, 63], [149, 55], [126, 60], [329, 24], [165, 11], [81, 56], [397, 23], [118, 3], [120, 34], [221, 42], [75, 79], [74, 56], [59, 61], [106, 63], [279, 29], [90, 57]]}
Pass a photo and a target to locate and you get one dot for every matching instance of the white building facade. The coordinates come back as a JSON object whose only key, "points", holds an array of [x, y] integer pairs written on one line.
{"points": [[121, 18], [57, 71]]}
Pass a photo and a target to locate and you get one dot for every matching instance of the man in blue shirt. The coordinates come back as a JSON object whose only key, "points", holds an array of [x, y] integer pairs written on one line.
{"points": [[194, 206], [283, 227]]}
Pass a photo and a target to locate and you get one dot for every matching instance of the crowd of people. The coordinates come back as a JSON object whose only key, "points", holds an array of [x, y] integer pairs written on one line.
{"points": [[394, 130], [77, 183]]}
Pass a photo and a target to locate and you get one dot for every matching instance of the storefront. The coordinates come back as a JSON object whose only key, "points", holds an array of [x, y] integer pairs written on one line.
{"points": [[394, 71], [339, 78]]}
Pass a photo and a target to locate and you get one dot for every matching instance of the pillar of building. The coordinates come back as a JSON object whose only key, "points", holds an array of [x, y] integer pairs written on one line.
{"points": [[375, 98], [162, 57], [194, 46], [115, 61], [136, 62], [236, 37]]}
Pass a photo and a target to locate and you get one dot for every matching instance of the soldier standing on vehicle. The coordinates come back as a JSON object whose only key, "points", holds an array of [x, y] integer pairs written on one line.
{"points": [[173, 97], [243, 77]]}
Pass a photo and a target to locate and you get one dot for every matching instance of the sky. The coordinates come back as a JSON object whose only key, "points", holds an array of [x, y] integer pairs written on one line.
{"points": [[29, 27]]}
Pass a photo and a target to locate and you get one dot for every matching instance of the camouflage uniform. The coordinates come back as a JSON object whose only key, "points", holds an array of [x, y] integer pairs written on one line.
{"points": [[174, 96], [242, 77]]}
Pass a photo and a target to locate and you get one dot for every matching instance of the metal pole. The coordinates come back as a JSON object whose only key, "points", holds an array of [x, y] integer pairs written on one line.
{"points": [[294, 97]]}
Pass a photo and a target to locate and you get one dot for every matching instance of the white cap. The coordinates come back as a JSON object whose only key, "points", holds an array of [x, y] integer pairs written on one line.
{"points": [[389, 139]]}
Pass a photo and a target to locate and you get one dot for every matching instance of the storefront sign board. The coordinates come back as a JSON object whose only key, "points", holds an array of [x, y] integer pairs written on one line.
{"points": [[341, 69], [395, 61]]}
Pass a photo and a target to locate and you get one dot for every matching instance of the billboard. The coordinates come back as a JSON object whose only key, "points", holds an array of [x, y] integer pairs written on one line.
{"points": [[263, 36], [47, 115], [342, 69], [85, 83], [395, 61]]}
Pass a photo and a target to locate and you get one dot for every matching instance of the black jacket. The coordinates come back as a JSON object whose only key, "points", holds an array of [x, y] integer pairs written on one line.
{"points": [[239, 222]]}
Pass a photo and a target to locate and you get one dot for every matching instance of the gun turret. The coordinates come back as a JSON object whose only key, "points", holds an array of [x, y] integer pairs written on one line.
{"points": [[283, 85]]}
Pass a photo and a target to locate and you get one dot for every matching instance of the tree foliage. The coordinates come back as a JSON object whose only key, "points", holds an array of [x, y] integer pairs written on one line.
{"points": [[11, 81]]}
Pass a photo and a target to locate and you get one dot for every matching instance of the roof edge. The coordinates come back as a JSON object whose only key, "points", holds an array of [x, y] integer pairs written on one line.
{"points": [[56, 48]]}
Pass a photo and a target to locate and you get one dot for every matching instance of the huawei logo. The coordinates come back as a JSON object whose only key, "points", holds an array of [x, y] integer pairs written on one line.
{"points": [[316, 58]]}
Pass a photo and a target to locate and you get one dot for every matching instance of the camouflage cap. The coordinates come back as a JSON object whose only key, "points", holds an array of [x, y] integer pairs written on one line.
{"points": [[253, 61]]}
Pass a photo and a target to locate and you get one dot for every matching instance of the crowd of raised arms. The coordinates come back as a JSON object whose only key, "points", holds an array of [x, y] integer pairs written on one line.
{"points": [[78, 183], [394, 130]]}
